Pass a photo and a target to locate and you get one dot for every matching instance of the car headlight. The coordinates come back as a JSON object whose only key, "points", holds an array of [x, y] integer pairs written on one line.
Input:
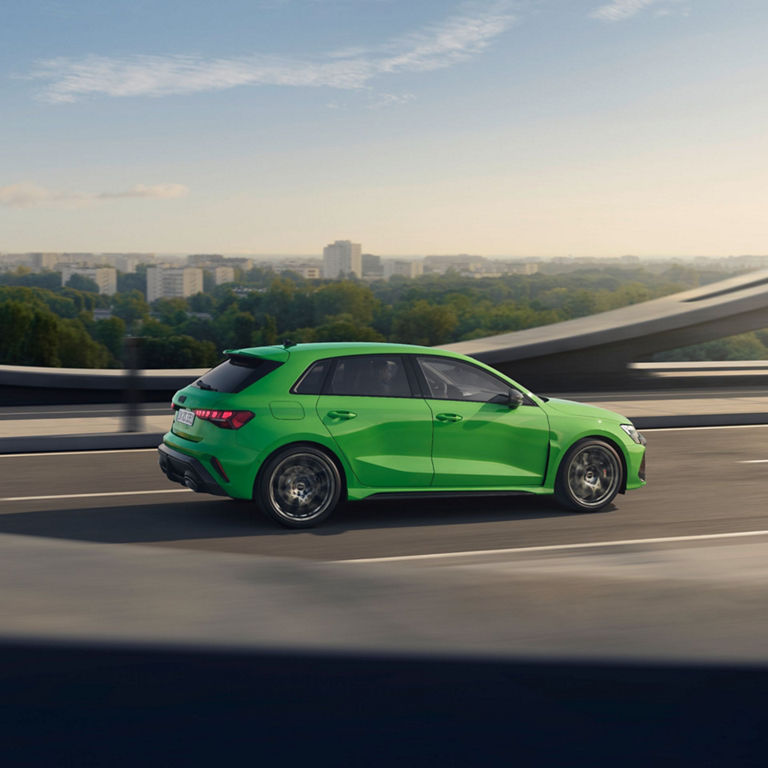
{"points": [[633, 433]]}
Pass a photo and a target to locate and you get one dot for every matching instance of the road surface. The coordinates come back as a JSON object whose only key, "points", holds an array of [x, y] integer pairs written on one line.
{"points": [[100, 545]]}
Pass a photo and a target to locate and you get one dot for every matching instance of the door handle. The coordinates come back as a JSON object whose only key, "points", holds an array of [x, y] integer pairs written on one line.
{"points": [[449, 417], [342, 415]]}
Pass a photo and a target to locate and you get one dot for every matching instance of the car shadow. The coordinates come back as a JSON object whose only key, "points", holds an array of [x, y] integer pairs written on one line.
{"points": [[217, 519]]}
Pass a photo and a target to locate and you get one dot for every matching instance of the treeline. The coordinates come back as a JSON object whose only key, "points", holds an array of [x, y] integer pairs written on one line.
{"points": [[43, 324]]}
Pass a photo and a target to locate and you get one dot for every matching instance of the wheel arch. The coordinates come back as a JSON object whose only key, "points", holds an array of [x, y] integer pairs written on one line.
{"points": [[298, 444], [603, 438]]}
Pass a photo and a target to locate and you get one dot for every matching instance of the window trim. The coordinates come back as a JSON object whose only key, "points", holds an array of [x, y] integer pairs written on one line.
{"points": [[304, 373], [413, 385]]}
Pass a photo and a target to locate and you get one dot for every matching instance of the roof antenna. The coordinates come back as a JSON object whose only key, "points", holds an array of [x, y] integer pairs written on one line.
{"points": [[288, 343]]}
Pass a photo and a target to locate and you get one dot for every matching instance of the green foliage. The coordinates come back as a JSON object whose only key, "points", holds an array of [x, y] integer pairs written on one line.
{"points": [[132, 281], [83, 283], [344, 298], [23, 277], [28, 334], [76, 349], [170, 311], [110, 333], [55, 326], [31, 334], [425, 323], [177, 352], [131, 307], [345, 326]]}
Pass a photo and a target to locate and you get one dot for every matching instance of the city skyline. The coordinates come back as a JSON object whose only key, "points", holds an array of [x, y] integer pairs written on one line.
{"points": [[511, 129]]}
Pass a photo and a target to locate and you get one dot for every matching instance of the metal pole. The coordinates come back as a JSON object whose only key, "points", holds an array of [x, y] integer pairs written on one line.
{"points": [[132, 417]]}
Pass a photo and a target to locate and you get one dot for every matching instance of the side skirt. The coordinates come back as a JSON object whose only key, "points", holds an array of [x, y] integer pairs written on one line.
{"points": [[444, 494]]}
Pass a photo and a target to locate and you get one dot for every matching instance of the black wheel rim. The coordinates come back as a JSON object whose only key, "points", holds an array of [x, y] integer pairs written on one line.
{"points": [[593, 475], [302, 486]]}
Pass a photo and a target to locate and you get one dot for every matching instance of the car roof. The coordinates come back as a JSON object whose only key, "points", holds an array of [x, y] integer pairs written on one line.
{"points": [[319, 350]]}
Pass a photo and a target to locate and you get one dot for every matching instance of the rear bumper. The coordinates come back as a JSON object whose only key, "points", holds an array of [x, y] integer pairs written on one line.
{"points": [[187, 471]]}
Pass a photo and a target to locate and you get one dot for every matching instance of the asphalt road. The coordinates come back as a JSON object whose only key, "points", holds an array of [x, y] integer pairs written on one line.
{"points": [[699, 483], [101, 546]]}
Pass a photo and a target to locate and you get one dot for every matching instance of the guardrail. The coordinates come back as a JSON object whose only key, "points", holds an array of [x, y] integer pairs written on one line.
{"points": [[28, 385]]}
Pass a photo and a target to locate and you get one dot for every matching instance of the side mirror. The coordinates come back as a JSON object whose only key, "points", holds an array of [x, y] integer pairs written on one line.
{"points": [[515, 399]]}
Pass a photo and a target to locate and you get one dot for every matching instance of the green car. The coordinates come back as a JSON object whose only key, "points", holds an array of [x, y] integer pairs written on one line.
{"points": [[298, 428]]}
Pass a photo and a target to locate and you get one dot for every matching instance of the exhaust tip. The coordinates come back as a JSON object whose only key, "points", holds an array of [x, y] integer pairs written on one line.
{"points": [[191, 482]]}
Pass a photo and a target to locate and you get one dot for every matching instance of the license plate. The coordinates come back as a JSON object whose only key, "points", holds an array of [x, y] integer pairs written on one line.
{"points": [[184, 416]]}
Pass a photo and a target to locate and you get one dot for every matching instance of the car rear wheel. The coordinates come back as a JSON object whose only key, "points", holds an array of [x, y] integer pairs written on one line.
{"points": [[589, 476], [299, 486]]}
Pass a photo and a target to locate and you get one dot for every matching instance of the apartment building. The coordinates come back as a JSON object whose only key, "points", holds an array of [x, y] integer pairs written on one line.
{"points": [[173, 282]]}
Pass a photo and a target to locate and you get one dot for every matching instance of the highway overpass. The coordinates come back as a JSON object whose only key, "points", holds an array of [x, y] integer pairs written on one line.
{"points": [[597, 350]]}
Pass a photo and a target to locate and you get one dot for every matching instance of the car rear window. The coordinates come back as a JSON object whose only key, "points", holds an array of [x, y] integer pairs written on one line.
{"points": [[236, 373]]}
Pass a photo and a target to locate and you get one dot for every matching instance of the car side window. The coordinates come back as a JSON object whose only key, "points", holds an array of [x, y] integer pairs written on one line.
{"points": [[456, 380], [370, 376], [311, 381]]}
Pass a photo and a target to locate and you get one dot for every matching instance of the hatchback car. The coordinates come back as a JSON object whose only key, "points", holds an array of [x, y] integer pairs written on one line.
{"points": [[298, 428]]}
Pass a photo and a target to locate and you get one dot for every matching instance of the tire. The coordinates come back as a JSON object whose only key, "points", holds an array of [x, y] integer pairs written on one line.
{"points": [[299, 486], [590, 475]]}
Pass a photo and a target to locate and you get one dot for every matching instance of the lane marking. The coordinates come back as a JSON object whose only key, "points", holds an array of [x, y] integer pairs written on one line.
{"points": [[754, 461], [93, 495], [77, 453], [554, 547]]}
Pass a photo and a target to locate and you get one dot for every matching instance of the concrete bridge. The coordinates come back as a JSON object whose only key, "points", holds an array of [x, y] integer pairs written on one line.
{"points": [[598, 349]]}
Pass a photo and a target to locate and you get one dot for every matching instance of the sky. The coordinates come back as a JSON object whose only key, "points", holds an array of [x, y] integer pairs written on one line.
{"points": [[494, 127]]}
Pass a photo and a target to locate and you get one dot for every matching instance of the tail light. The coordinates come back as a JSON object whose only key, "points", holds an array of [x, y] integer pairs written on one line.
{"points": [[225, 419]]}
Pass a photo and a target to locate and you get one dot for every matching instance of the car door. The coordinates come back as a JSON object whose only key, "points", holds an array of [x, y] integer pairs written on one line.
{"points": [[379, 422], [479, 441]]}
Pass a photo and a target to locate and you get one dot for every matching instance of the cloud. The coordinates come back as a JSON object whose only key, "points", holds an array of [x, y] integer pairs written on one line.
{"points": [[157, 191], [24, 195], [27, 195], [442, 45], [619, 10], [384, 100]]}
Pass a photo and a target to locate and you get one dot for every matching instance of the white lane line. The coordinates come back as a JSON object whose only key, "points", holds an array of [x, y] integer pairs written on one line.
{"points": [[554, 547], [94, 495], [77, 453], [754, 461]]}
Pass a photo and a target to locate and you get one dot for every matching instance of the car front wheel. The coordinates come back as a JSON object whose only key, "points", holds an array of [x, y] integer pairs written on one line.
{"points": [[589, 476], [299, 486]]}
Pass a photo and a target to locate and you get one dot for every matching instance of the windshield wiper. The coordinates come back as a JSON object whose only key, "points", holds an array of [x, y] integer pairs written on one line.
{"points": [[200, 383]]}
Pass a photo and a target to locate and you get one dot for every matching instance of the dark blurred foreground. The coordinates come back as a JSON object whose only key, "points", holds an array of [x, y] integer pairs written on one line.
{"points": [[69, 704]]}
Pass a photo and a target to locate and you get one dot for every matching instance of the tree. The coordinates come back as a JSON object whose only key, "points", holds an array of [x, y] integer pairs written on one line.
{"points": [[424, 323], [29, 335], [170, 311], [130, 307], [345, 298], [200, 302], [177, 352], [77, 349], [83, 283], [345, 328], [110, 333]]}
